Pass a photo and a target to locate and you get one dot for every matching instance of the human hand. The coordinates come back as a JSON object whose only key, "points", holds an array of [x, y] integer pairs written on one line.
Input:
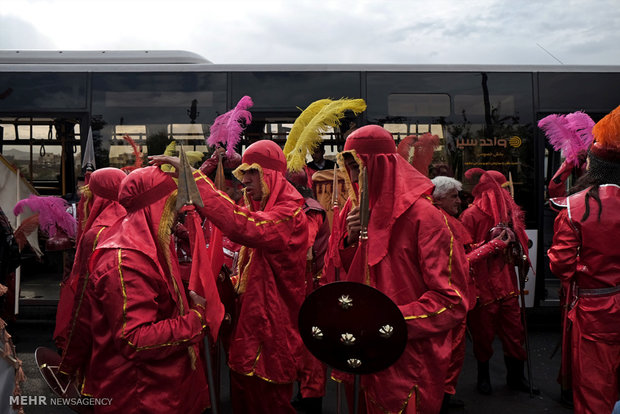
{"points": [[221, 152], [354, 225], [159, 160], [507, 236], [196, 300]]}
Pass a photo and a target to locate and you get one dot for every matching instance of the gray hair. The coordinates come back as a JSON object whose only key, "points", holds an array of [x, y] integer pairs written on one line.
{"points": [[443, 185]]}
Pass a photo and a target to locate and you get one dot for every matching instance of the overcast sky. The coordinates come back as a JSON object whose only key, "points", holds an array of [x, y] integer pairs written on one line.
{"points": [[338, 31]]}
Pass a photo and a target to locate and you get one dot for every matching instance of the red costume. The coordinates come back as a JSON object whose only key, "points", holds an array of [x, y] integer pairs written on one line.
{"points": [[457, 357], [426, 279], [474, 254], [145, 353], [103, 211], [497, 310], [265, 350], [585, 255], [557, 184], [313, 373]]}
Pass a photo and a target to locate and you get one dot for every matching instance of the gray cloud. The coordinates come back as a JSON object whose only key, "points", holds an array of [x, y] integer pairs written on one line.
{"points": [[398, 31]]}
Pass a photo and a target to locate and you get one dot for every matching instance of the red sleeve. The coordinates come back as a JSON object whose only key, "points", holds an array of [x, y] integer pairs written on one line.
{"points": [[444, 268], [315, 220], [265, 229], [79, 339], [557, 185], [129, 292], [565, 247], [485, 250]]}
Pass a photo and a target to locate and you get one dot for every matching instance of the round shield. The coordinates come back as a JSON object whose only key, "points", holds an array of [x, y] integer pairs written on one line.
{"points": [[352, 327], [48, 361]]}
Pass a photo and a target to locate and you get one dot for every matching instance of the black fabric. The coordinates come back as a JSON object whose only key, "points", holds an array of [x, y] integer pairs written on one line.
{"points": [[604, 172]]}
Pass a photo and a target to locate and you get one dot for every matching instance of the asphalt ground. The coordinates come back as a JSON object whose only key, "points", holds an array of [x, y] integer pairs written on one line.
{"points": [[544, 334]]}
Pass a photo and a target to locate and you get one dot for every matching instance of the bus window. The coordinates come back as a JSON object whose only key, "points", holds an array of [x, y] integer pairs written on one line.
{"points": [[469, 105], [31, 145], [418, 104]]}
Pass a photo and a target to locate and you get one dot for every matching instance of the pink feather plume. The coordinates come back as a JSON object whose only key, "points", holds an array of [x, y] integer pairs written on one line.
{"points": [[227, 128], [570, 134], [52, 212], [136, 152], [582, 125], [424, 149]]}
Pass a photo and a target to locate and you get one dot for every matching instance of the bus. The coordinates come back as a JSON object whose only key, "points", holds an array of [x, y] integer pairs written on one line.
{"points": [[485, 116]]}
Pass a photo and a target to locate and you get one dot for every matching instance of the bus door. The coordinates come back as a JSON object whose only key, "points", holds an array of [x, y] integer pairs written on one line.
{"points": [[46, 150]]}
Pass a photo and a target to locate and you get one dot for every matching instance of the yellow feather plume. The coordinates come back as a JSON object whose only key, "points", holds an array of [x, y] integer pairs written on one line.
{"points": [[302, 122], [310, 137], [192, 156], [171, 151]]}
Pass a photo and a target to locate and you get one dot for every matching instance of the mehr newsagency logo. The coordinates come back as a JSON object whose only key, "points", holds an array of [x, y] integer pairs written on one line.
{"points": [[60, 401]]}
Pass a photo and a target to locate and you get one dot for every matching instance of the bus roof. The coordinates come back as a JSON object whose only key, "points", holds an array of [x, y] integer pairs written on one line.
{"points": [[185, 61], [99, 57]]}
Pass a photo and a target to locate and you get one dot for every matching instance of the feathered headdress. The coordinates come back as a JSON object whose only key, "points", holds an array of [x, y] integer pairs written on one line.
{"points": [[607, 131], [571, 134], [52, 212], [302, 122], [310, 137], [193, 157], [136, 152], [227, 128], [423, 149]]}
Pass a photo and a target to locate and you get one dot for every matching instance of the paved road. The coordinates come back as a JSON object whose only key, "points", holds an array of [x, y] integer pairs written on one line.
{"points": [[543, 339]]}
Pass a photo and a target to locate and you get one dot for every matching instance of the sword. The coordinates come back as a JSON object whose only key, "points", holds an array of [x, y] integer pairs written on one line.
{"points": [[188, 194]]}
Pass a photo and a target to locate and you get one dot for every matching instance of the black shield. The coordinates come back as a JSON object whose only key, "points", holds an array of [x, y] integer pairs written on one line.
{"points": [[48, 361], [352, 327]]}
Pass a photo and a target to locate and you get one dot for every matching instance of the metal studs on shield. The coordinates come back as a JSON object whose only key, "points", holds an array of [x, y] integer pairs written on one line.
{"points": [[360, 339], [345, 301]]}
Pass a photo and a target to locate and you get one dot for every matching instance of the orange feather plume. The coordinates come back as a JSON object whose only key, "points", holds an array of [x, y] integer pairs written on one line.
{"points": [[607, 131]]}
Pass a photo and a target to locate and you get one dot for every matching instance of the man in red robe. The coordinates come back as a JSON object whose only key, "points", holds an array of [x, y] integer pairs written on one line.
{"points": [[414, 259], [313, 373], [586, 255], [497, 311], [104, 210], [446, 198], [145, 355], [266, 348]]}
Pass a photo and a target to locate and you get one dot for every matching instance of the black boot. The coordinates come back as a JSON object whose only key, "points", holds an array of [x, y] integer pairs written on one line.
{"points": [[515, 378], [484, 379]]}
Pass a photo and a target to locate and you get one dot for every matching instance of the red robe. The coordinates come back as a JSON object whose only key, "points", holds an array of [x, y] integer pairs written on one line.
{"points": [[587, 255], [457, 357], [76, 349], [313, 372], [432, 299], [145, 335], [99, 209], [415, 260], [265, 341], [497, 295]]}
